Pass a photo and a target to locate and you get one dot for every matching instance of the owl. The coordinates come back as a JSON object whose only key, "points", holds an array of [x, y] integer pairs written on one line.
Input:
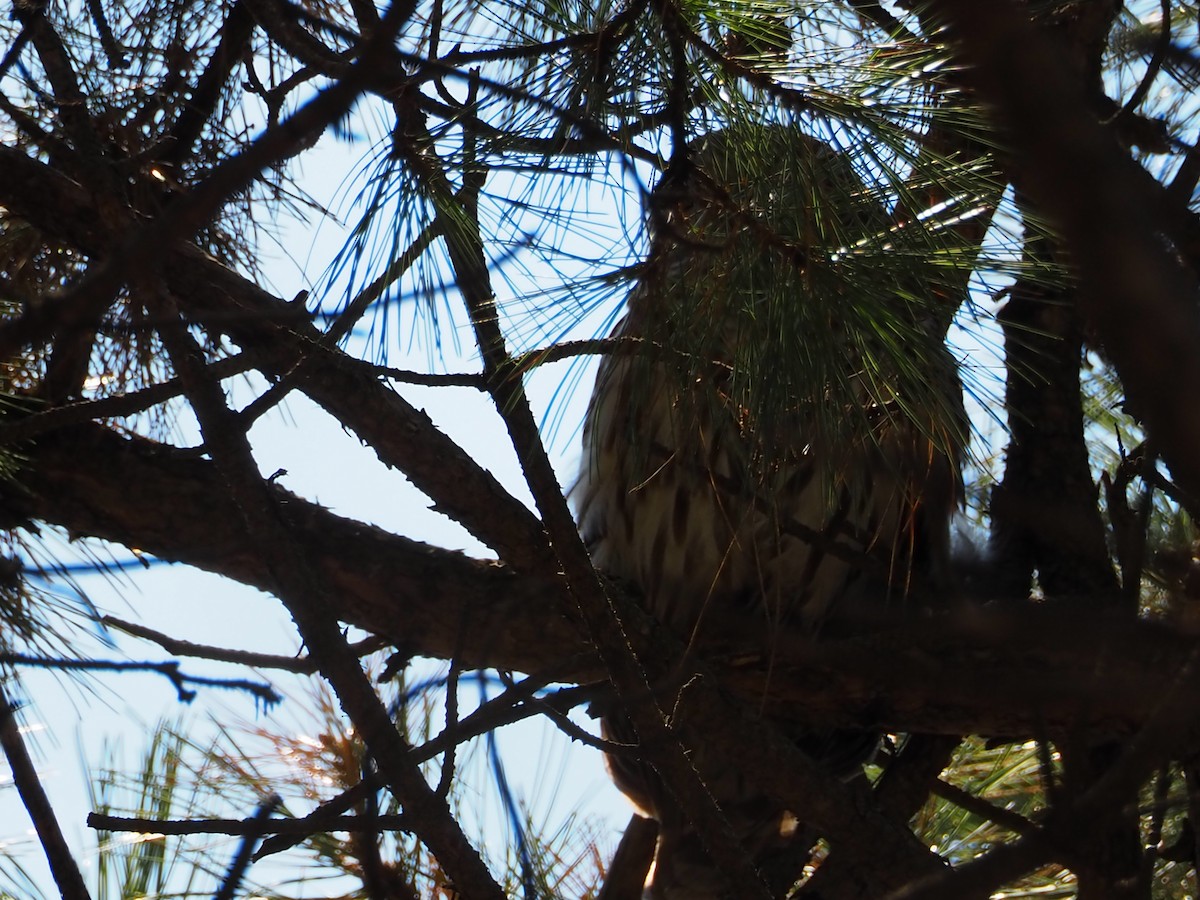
{"points": [[781, 443]]}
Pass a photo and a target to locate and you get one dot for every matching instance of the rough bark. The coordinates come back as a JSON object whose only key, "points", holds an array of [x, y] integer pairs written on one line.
{"points": [[1013, 673]]}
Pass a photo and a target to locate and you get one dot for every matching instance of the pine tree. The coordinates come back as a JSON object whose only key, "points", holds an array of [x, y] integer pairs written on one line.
{"points": [[1007, 187]]}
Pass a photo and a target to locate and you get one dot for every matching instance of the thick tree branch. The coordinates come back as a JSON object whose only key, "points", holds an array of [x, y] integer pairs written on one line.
{"points": [[175, 506], [1134, 292], [298, 584], [457, 218], [203, 101], [401, 435], [1001, 673], [1005, 673]]}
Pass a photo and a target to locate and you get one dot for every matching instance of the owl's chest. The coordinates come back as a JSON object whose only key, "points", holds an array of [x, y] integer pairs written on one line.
{"points": [[669, 500]]}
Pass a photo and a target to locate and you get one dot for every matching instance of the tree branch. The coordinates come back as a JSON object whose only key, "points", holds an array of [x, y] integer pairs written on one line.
{"points": [[457, 219], [402, 436], [1134, 292], [997, 672], [202, 101], [169, 670], [252, 826], [298, 584], [24, 774], [299, 665]]}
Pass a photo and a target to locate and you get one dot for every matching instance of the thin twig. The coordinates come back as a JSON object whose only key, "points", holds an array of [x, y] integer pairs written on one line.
{"points": [[978, 806], [301, 828], [430, 379], [341, 325], [872, 11], [243, 858], [504, 709], [169, 670], [791, 98], [299, 665], [1161, 47], [15, 429], [447, 777]]}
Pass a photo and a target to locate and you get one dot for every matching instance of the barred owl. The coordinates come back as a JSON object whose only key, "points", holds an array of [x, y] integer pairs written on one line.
{"points": [[778, 402]]}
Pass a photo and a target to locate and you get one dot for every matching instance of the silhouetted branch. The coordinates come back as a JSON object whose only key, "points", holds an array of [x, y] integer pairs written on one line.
{"points": [[996, 672], [1133, 291], [978, 806], [169, 670], [243, 858], [15, 429], [458, 221], [24, 775], [514, 705], [299, 665], [252, 827], [203, 100]]}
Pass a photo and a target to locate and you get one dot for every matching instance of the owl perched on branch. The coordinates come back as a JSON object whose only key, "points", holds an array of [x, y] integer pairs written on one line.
{"points": [[788, 445]]}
